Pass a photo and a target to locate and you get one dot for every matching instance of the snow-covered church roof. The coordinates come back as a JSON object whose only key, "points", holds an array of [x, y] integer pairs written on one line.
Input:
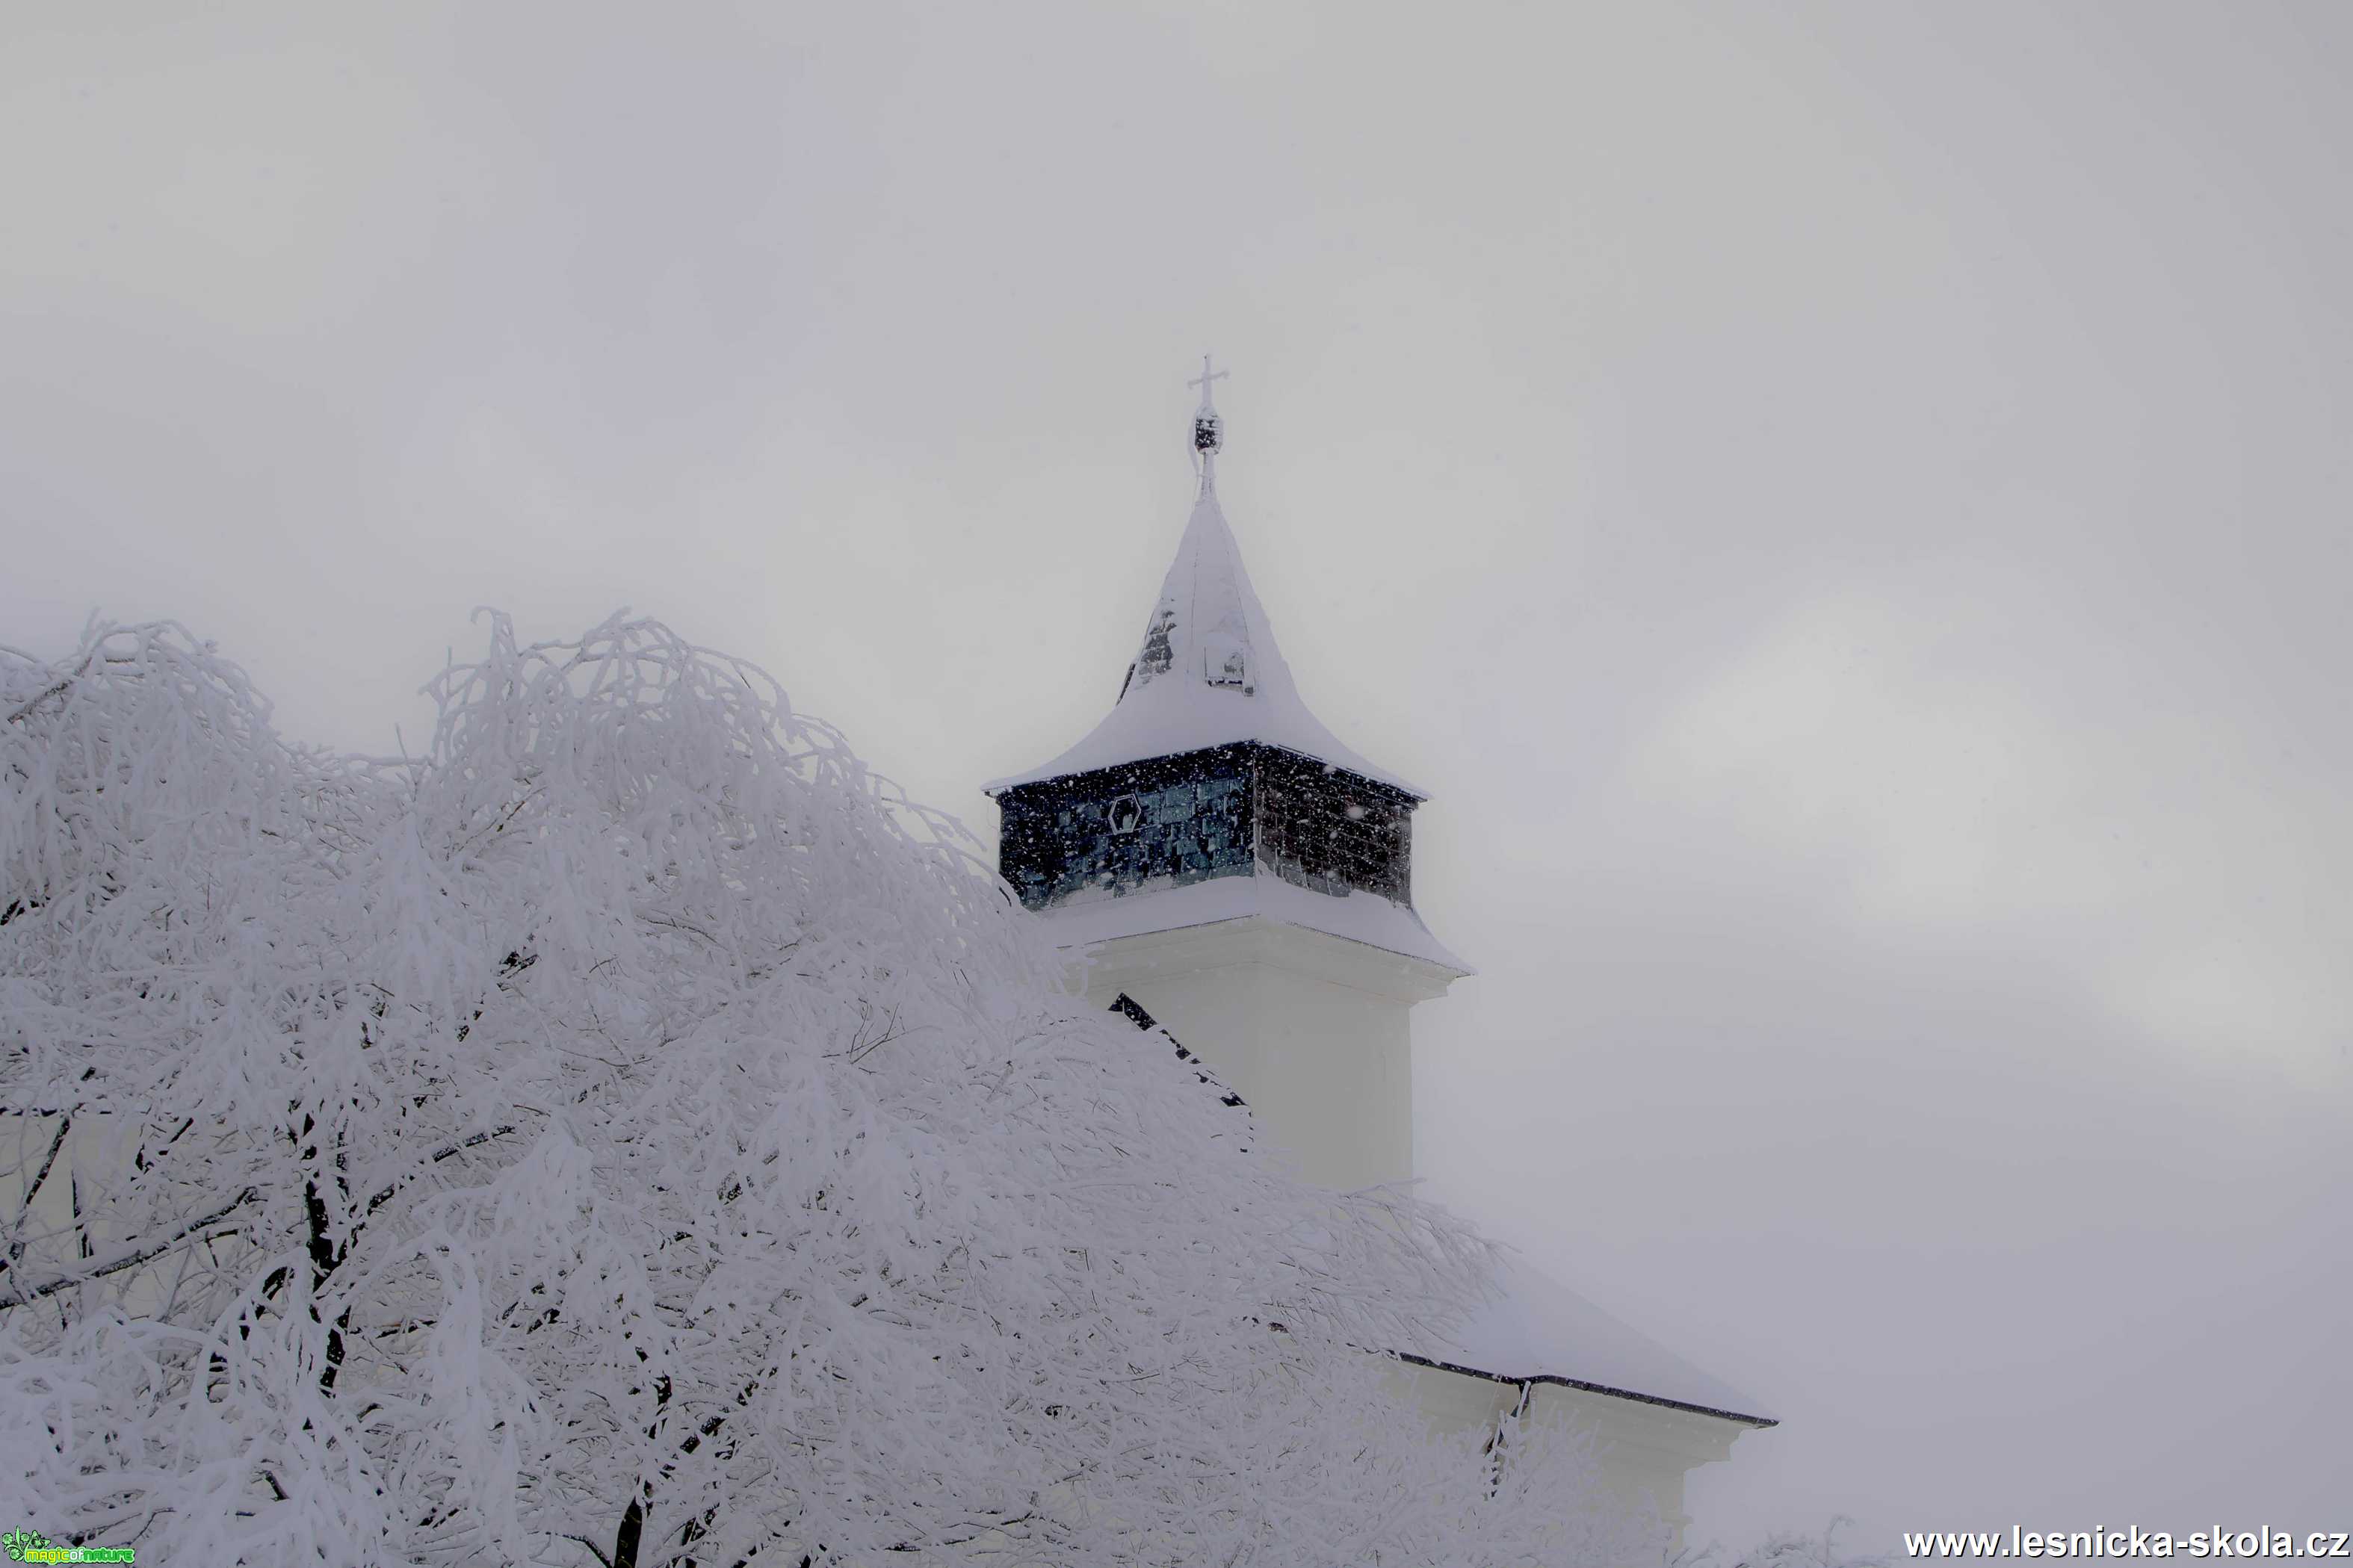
{"points": [[1209, 672], [1543, 1331]]}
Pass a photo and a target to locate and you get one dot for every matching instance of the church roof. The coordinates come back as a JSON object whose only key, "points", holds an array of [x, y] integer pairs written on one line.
{"points": [[1543, 1331], [1209, 672]]}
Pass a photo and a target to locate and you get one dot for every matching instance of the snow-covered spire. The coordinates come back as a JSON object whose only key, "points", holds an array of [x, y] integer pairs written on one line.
{"points": [[1209, 672]]}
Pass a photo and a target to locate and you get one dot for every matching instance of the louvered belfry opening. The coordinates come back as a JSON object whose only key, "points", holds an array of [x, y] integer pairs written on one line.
{"points": [[1237, 810]]}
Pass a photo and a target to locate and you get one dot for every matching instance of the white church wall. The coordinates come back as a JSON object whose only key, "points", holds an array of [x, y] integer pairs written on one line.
{"points": [[1312, 1032], [1643, 1451]]}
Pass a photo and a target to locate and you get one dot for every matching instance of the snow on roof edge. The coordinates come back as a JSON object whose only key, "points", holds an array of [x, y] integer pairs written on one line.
{"points": [[1760, 1422], [1049, 772], [1546, 1332], [1366, 918]]}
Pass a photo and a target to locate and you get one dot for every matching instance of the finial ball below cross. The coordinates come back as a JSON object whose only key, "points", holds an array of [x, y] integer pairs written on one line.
{"points": [[1209, 430]]}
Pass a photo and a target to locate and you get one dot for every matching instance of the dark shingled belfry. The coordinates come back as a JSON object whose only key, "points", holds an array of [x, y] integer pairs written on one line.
{"points": [[1237, 810]]}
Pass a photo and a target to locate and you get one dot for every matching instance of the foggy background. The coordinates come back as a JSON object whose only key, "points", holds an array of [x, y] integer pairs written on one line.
{"points": [[1842, 505]]}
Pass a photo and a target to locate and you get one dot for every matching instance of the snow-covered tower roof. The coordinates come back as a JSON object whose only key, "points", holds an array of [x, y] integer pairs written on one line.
{"points": [[1210, 793], [1207, 672]]}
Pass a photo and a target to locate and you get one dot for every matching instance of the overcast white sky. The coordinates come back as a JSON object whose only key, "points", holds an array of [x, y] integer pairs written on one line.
{"points": [[1843, 505]]}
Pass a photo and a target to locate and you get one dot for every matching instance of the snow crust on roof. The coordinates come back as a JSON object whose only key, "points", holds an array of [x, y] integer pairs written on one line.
{"points": [[1541, 1328], [1208, 673], [1360, 917]]}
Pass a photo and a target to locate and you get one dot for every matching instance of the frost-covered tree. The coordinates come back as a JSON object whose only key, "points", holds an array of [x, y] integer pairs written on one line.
{"points": [[630, 1132]]}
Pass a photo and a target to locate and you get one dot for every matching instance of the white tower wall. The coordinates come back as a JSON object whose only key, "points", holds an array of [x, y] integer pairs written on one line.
{"points": [[1311, 1030]]}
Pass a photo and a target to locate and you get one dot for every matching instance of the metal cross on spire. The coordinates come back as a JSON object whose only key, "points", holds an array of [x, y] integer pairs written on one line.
{"points": [[1209, 430], [1203, 380]]}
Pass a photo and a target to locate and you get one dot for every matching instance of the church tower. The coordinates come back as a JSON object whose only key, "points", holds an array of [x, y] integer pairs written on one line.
{"points": [[1240, 876]]}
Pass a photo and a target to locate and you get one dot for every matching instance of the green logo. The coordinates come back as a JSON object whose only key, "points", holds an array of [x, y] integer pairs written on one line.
{"points": [[32, 1546]]}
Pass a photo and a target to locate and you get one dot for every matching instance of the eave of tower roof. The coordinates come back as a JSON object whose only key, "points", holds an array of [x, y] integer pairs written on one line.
{"points": [[1209, 672], [1377, 922]]}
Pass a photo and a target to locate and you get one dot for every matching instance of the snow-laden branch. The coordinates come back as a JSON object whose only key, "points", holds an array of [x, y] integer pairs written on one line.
{"points": [[126, 1257]]}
